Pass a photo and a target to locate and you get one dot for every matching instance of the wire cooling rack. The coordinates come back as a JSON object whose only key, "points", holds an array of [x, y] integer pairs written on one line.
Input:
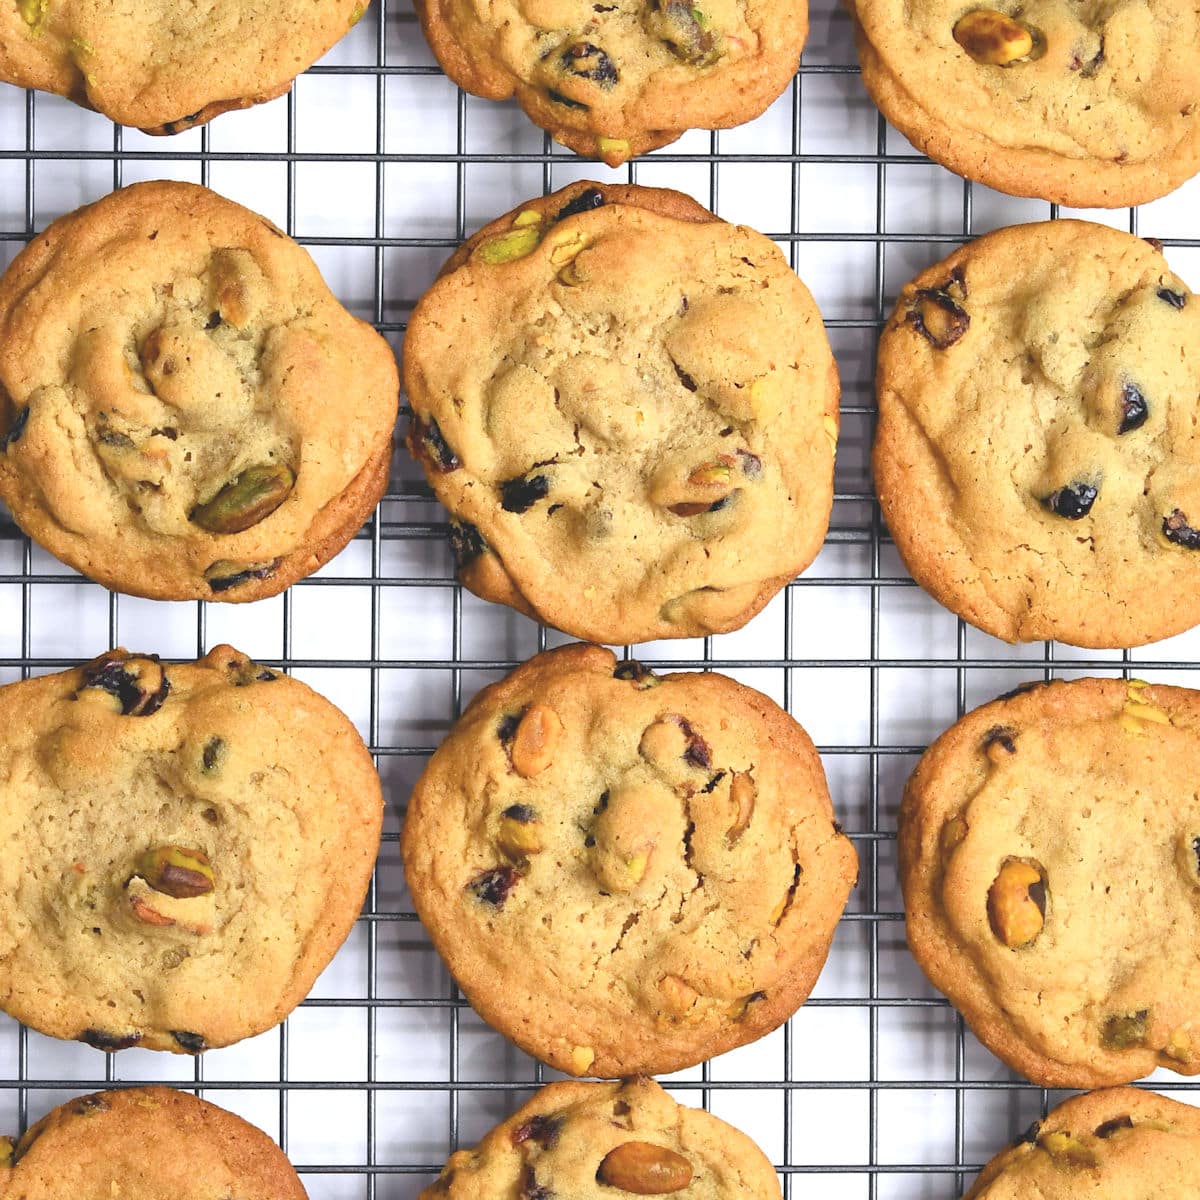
{"points": [[379, 166]]}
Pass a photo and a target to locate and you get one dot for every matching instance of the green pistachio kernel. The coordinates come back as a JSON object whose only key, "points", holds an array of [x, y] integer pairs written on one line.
{"points": [[507, 247]]}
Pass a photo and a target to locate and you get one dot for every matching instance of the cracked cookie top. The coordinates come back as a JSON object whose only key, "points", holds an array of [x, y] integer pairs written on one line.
{"points": [[584, 1140], [615, 80], [1050, 860], [149, 1143], [187, 412], [1086, 104], [1037, 456], [627, 873], [1117, 1144], [630, 409], [186, 848], [162, 66]]}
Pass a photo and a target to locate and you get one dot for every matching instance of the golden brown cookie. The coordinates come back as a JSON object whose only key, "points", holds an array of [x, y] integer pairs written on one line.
{"points": [[1050, 861], [1037, 456], [187, 412], [630, 409], [186, 847], [627, 873], [1117, 1144], [166, 67], [613, 81], [1082, 104], [594, 1140], [144, 1143]]}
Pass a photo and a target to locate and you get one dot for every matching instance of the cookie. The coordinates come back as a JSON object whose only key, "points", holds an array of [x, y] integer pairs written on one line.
{"points": [[1050, 861], [187, 413], [615, 81], [593, 1140], [1086, 105], [1117, 1144], [630, 409], [627, 873], [186, 848], [150, 1143], [161, 66], [1037, 459]]}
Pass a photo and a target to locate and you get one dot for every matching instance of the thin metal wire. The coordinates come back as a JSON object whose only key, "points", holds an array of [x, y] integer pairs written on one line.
{"points": [[408, 513]]}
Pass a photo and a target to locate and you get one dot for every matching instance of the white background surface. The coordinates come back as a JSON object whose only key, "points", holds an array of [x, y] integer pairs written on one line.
{"points": [[379, 166]]}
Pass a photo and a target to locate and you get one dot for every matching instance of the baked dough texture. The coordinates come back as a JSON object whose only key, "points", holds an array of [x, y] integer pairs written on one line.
{"points": [[627, 873], [1050, 862], [145, 1143], [1102, 110], [186, 410], [163, 66], [1117, 1144], [613, 81], [186, 848], [592, 1141], [630, 409], [1037, 457]]}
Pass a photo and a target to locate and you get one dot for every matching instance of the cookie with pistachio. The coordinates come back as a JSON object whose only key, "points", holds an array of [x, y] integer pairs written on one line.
{"points": [[630, 409], [613, 81], [162, 66], [1117, 1144], [627, 873], [1050, 861], [150, 1143], [186, 847], [186, 411], [595, 1140], [1091, 105], [1037, 456]]}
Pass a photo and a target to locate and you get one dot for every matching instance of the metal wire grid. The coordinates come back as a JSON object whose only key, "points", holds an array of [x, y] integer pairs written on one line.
{"points": [[866, 770]]}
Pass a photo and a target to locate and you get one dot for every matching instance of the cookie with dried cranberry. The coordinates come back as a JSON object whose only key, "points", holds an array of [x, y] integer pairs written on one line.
{"points": [[593, 1140], [186, 847], [186, 411], [1037, 457], [162, 66], [627, 873], [1117, 1144], [613, 81], [1086, 105], [630, 409], [151, 1143], [1050, 861]]}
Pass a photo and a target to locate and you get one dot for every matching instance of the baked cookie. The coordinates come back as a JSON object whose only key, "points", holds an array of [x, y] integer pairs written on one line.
{"points": [[1118, 1144], [1050, 861], [1093, 105], [1037, 456], [186, 412], [630, 409], [162, 66], [594, 1140], [614, 81], [148, 1143], [627, 873], [186, 847]]}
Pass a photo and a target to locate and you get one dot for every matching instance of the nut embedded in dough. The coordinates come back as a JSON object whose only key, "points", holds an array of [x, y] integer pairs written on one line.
{"points": [[992, 38], [645, 1169], [1017, 903]]}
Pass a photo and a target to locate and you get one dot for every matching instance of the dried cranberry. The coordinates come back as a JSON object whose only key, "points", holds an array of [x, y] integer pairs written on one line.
{"points": [[15, 429], [521, 494], [1003, 736], [633, 671], [193, 1043], [1115, 1125], [544, 1130], [466, 543], [696, 752], [751, 464], [139, 697], [588, 199], [566, 101], [426, 440], [109, 1042], [493, 887], [1176, 529], [522, 813], [1174, 299], [589, 62], [1134, 409], [1073, 501], [936, 313]]}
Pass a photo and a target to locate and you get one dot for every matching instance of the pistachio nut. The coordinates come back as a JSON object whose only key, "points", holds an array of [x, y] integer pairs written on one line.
{"points": [[246, 500], [177, 871], [536, 740], [508, 247], [1017, 903], [993, 38], [1067, 1149]]}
